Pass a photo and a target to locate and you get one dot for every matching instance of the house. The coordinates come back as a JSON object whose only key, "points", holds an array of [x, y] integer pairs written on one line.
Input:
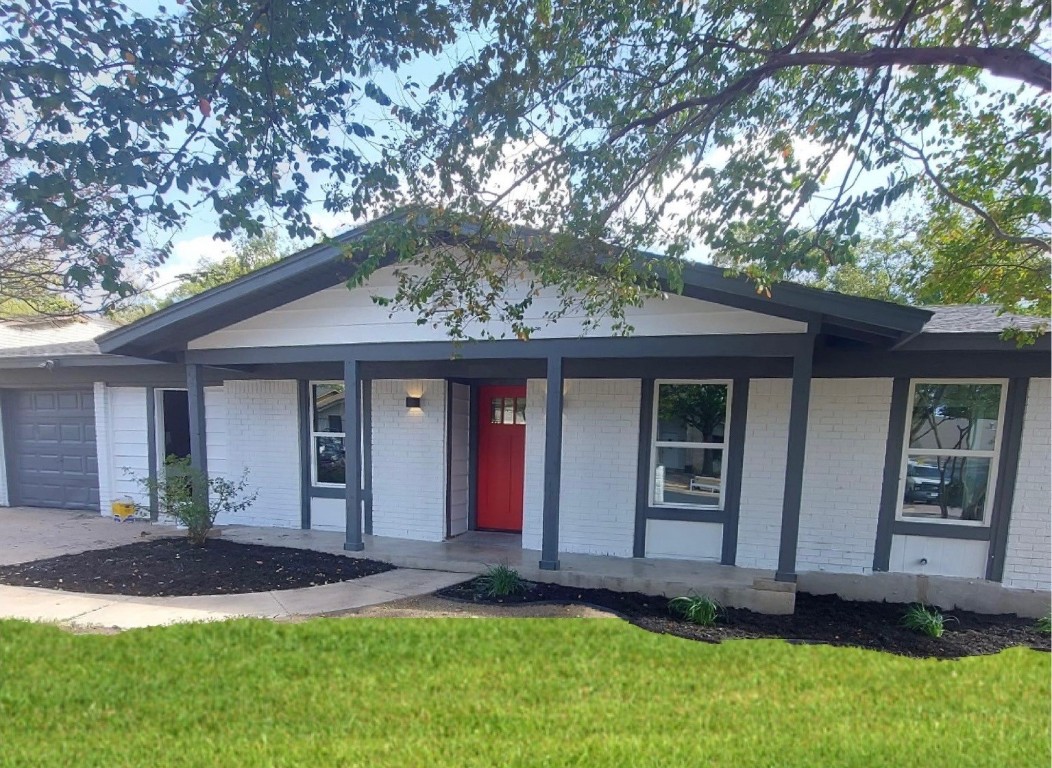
{"points": [[841, 443]]}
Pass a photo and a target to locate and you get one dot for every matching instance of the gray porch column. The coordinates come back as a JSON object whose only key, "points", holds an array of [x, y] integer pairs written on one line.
{"points": [[799, 402], [195, 396], [352, 453], [553, 450]]}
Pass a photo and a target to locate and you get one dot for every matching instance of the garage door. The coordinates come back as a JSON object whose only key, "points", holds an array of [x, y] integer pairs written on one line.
{"points": [[52, 460]]}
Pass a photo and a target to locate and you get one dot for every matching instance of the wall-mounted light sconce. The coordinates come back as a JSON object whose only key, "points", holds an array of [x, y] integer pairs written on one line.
{"points": [[413, 402]]}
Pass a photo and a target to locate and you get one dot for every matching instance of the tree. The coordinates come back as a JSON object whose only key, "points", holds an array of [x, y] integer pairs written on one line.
{"points": [[943, 255], [249, 255], [764, 131]]}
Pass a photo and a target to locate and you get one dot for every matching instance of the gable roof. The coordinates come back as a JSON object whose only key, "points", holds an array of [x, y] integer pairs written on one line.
{"points": [[322, 266]]}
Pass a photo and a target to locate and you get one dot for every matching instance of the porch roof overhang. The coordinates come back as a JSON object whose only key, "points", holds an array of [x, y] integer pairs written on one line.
{"points": [[165, 334]]}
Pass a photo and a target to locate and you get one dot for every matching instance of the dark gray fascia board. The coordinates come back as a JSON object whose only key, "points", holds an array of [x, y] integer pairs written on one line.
{"points": [[857, 311], [318, 267], [73, 361], [745, 345], [972, 342]]}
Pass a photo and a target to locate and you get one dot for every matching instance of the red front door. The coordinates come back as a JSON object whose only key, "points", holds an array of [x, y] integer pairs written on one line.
{"points": [[502, 457]]}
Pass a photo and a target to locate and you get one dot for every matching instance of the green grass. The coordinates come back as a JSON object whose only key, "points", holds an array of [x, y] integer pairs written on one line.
{"points": [[476, 692]]}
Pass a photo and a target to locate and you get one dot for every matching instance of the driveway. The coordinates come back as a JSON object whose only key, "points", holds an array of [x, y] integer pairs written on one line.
{"points": [[33, 534]]}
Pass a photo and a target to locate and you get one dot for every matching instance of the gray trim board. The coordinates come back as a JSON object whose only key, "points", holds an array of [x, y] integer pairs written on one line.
{"points": [[940, 530], [6, 406], [799, 404], [735, 459], [553, 449], [325, 492], [449, 459], [641, 347], [842, 362], [1008, 466], [303, 406], [367, 454], [195, 396], [889, 491], [700, 515], [473, 457], [352, 454], [151, 449], [646, 427]]}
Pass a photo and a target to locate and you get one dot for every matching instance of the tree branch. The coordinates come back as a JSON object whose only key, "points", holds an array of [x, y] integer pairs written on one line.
{"points": [[1012, 63]]}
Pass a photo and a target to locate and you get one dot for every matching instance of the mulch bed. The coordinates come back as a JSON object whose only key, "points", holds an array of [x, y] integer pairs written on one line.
{"points": [[823, 619], [169, 567]]}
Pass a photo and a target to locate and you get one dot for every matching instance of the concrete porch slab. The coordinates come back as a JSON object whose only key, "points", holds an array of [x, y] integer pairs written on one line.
{"points": [[474, 552]]}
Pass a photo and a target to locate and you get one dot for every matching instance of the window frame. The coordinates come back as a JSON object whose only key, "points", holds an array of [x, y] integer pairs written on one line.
{"points": [[993, 455], [656, 444], [314, 434]]}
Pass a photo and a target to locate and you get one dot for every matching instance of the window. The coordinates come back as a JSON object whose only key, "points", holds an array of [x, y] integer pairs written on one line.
{"points": [[688, 449], [953, 438], [507, 410], [327, 462]]}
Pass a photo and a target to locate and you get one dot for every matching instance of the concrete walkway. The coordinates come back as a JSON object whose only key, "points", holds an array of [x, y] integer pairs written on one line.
{"points": [[82, 610], [34, 534]]}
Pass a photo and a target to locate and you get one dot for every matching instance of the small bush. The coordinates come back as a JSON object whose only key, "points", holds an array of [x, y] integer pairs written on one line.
{"points": [[1044, 624], [176, 497], [927, 621], [501, 581], [695, 608]]}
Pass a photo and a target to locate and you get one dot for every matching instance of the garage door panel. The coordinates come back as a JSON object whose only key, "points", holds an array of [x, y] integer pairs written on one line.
{"points": [[54, 462]]}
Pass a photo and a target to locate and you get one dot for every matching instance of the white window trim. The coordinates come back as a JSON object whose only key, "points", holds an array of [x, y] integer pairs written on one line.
{"points": [[315, 434], [994, 455], [655, 443]]}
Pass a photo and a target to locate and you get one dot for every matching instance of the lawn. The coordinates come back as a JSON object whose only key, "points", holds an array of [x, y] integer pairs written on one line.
{"points": [[464, 692]]}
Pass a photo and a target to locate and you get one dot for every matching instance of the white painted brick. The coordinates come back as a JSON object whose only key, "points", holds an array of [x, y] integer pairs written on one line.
{"points": [[763, 473], [409, 460], [843, 474], [599, 463], [1027, 557], [254, 425]]}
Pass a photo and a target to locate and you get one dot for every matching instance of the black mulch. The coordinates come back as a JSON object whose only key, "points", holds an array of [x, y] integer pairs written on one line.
{"points": [[818, 619], [169, 567]]}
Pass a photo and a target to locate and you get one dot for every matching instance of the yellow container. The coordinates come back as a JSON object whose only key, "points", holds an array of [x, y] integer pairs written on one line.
{"points": [[122, 509]]}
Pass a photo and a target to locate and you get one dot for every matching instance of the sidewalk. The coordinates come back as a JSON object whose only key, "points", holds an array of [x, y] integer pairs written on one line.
{"points": [[81, 610]]}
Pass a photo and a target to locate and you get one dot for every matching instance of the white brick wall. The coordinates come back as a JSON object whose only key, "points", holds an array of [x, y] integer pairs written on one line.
{"points": [[1027, 560], [763, 473], [533, 482], [409, 460], [258, 422], [599, 461], [847, 432], [599, 458]]}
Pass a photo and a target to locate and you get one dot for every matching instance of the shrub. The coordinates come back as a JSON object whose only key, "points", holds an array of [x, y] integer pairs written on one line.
{"points": [[928, 621], [695, 608], [501, 581], [176, 497], [1044, 624]]}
